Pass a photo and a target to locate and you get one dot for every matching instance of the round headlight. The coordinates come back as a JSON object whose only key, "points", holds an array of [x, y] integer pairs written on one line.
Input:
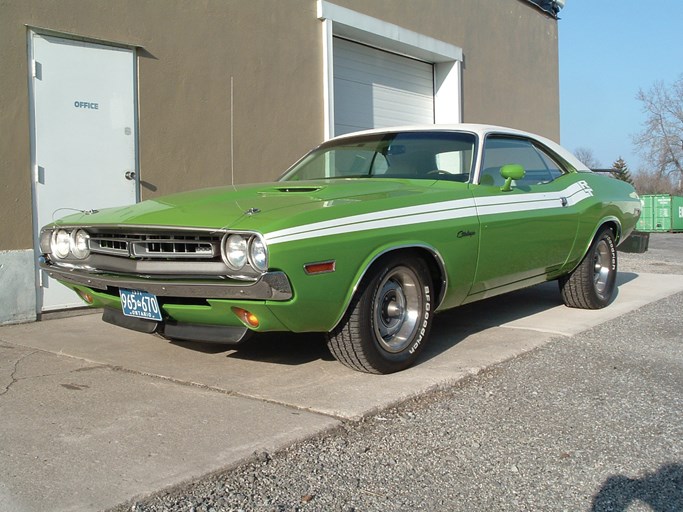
{"points": [[79, 244], [258, 254], [235, 251], [60, 243]]}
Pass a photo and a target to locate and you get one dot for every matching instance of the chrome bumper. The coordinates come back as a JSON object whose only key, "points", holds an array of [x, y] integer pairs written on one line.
{"points": [[270, 286]]}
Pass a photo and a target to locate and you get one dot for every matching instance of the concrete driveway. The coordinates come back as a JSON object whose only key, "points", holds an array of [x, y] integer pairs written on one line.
{"points": [[93, 415]]}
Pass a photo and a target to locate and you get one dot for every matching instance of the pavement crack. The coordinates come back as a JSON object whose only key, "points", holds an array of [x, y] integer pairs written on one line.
{"points": [[226, 392], [13, 377]]}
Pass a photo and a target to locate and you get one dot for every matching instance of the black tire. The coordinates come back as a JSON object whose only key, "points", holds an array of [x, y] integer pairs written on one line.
{"points": [[591, 284], [377, 335]]}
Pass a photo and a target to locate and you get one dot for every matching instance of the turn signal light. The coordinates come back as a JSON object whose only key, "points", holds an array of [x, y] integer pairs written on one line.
{"points": [[85, 296], [248, 318]]}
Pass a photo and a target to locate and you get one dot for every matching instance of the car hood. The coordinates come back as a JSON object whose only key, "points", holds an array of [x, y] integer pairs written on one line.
{"points": [[262, 207]]}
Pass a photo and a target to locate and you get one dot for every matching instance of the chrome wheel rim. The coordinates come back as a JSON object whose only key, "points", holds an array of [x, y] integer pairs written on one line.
{"points": [[602, 266], [396, 309]]}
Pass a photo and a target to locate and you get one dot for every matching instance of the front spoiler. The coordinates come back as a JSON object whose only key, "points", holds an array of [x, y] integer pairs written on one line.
{"points": [[270, 286], [230, 335]]}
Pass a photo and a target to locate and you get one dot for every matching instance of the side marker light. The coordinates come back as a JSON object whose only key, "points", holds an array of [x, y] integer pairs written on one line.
{"points": [[246, 317], [322, 267]]}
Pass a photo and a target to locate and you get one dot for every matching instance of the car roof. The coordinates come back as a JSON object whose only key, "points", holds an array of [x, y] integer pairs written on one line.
{"points": [[481, 130]]}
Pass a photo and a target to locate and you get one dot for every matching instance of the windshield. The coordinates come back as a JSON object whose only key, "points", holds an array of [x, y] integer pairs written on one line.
{"points": [[409, 155]]}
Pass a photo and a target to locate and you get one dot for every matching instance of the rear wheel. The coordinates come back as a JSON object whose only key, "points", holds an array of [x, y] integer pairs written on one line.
{"points": [[389, 318], [591, 284]]}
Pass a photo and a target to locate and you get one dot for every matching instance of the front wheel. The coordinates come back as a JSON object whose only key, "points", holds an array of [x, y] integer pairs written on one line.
{"points": [[389, 318], [591, 284]]}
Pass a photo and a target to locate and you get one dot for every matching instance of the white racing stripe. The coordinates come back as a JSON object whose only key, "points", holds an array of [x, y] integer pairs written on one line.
{"points": [[446, 210], [366, 217]]}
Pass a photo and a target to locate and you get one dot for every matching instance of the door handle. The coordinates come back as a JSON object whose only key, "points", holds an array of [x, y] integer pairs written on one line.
{"points": [[130, 175]]}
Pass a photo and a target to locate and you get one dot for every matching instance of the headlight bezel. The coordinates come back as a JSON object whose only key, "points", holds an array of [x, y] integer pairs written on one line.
{"points": [[77, 251], [60, 243], [235, 243], [65, 243], [253, 250], [258, 254]]}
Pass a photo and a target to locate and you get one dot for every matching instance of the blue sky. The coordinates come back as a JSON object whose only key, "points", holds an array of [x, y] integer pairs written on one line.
{"points": [[610, 49]]}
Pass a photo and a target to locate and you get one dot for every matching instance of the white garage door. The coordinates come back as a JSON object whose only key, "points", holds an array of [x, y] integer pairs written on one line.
{"points": [[377, 89]]}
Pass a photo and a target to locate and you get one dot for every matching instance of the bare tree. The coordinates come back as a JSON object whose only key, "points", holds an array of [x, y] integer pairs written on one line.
{"points": [[661, 141], [587, 158], [654, 182]]}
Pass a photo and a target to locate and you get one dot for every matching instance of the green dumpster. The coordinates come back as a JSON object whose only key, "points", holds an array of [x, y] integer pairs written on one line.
{"points": [[661, 212]]}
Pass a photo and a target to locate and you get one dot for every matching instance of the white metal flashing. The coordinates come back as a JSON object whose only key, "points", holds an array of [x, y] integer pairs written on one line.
{"points": [[381, 34], [328, 80]]}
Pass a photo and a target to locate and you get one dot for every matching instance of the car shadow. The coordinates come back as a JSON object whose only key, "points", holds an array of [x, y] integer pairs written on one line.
{"points": [[453, 326], [660, 490], [283, 348], [449, 328]]}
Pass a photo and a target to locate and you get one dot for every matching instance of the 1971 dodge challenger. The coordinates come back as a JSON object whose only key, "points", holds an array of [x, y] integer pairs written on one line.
{"points": [[365, 239]]}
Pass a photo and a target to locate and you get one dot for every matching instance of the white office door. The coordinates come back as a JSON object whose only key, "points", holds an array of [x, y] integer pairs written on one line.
{"points": [[84, 136], [378, 89]]}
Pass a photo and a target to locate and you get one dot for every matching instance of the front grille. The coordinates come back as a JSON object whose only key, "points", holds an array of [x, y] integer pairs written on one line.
{"points": [[157, 246], [109, 244]]}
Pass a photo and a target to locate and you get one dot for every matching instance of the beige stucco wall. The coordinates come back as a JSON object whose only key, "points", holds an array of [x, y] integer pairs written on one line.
{"points": [[272, 49], [189, 52]]}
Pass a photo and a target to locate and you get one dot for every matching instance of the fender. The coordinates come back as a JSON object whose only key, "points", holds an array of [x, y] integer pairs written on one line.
{"points": [[370, 261], [600, 225]]}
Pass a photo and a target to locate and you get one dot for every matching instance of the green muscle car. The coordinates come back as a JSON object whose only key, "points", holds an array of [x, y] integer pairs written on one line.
{"points": [[365, 239]]}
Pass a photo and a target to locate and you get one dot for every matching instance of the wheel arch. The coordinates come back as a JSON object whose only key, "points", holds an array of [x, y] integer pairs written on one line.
{"points": [[612, 223], [432, 257]]}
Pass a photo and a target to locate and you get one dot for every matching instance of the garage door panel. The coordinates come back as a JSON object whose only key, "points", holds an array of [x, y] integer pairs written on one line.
{"points": [[358, 113], [391, 70], [375, 89]]}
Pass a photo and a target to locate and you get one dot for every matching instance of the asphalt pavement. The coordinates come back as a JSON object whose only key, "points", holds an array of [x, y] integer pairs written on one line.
{"points": [[520, 403], [593, 422]]}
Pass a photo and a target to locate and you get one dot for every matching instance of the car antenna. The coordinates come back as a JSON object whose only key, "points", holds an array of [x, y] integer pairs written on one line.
{"points": [[232, 132]]}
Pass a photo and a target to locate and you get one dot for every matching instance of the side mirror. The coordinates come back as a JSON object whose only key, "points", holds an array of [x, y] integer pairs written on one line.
{"points": [[511, 172]]}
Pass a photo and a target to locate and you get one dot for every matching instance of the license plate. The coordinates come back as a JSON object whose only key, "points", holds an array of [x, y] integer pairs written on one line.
{"points": [[139, 304]]}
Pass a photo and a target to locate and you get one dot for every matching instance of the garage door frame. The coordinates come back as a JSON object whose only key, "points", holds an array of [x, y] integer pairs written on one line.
{"points": [[364, 29]]}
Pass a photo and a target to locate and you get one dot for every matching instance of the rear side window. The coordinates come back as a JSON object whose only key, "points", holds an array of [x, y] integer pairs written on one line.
{"points": [[539, 167]]}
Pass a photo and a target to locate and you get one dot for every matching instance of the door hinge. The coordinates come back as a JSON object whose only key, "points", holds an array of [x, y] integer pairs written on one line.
{"points": [[39, 174], [36, 69]]}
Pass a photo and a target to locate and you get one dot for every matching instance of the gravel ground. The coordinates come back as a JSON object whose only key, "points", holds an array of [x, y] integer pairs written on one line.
{"points": [[664, 256], [592, 422]]}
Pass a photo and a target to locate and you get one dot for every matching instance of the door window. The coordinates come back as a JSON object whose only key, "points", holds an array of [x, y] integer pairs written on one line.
{"points": [[539, 167]]}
